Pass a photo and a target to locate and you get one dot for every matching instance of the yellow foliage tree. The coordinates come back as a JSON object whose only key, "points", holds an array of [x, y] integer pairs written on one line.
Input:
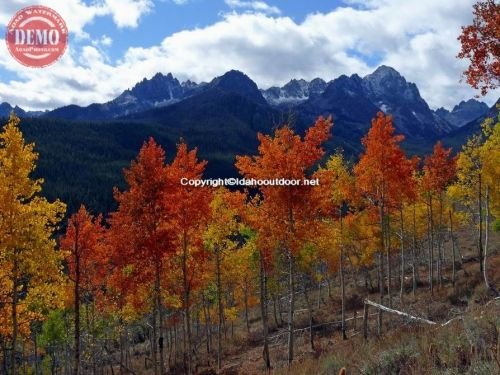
{"points": [[342, 190], [477, 182], [220, 240], [31, 272], [489, 154]]}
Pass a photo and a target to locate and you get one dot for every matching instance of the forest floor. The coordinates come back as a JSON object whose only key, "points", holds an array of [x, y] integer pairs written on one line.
{"points": [[468, 344]]}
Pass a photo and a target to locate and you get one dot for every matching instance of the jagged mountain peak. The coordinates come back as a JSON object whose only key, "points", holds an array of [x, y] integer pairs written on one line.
{"points": [[159, 90], [345, 78], [471, 104], [385, 71], [298, 88], [159, 76], [7, 108], [232, 79], [388, 82], [460, 135], [441, 111], [358, 99], [464, 112], [238, 82], [345, 85], [317, 85], [157, 83], [294, 92], [189, 84]]}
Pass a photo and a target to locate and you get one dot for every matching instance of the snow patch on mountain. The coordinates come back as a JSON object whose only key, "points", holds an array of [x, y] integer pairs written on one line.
{"points": [[294, 92]]}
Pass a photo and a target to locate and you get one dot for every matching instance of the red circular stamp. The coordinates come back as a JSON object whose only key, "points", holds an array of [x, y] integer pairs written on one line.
{"points": [[36, 36]]}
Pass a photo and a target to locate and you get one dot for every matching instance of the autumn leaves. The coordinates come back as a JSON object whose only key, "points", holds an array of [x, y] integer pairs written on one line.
{"points": [[284, 216], [31, 277], [152, 252], [180, 256]]}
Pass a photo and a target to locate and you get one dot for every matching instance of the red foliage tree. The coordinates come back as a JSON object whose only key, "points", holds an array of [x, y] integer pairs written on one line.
{"points": [[481, 45], [82, 243], [140, 236], [439, 169]]}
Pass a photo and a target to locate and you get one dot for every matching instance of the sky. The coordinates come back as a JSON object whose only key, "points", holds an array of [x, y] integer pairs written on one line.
{"points": [[116, 43]]}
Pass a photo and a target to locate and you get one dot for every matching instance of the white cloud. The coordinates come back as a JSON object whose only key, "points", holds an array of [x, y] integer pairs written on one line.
{"points": [[104, 41], [257, 6], [77, 14], [418, 38], [126, 13]]}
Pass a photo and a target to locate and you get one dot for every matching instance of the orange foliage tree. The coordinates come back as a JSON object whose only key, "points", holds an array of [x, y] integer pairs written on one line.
{"points": [[189, 211], [439, 170], [383, 178], [286, 155], [140, 236]]}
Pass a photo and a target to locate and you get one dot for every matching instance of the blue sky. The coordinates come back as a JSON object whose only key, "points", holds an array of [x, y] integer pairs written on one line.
{"points": [[115, 43], [169, 17]]}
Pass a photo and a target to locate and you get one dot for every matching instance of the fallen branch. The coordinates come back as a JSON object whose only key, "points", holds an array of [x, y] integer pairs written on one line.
{"points": [[451, 320], [401, 313]]}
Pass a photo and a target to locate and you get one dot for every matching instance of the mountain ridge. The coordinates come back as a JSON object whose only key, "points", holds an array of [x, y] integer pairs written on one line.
{"points": [[385, 88], [464, 112], [352, 101]]}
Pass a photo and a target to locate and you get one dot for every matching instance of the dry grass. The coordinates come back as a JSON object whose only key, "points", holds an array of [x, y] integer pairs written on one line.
{"points": [[467, 345], [464, 346]]}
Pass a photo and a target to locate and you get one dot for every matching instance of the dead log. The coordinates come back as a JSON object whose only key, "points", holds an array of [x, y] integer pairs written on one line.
{"points": [[401, 313]]}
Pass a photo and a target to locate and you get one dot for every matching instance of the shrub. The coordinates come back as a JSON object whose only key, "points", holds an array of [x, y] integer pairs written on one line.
{"points": [[395, 361], [331, 365]]}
